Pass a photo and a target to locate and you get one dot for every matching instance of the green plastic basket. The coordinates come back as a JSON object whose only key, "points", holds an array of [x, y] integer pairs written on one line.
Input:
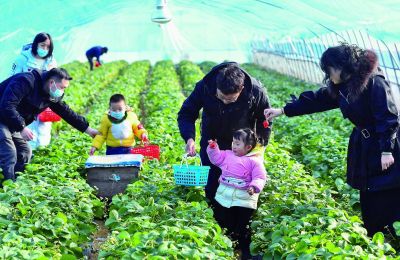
{"points": [[190, 175]]}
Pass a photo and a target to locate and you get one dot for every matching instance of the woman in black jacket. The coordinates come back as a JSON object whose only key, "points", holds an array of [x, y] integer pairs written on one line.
{"points": [[356, 86]]}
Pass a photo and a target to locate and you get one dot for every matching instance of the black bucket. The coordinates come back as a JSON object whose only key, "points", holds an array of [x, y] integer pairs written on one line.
{"points": [[111, 174], [110, 181]]}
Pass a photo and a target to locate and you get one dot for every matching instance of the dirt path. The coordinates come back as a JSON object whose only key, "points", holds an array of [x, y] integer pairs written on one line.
{"points": [[98, 239]]}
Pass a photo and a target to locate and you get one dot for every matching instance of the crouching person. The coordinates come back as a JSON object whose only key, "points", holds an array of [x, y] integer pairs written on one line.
{"points": [[22, 97]]}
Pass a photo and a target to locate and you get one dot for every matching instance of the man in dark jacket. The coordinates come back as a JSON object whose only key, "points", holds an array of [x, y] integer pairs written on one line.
{"points": [[95, 52], [22, 97], [231, 99]]}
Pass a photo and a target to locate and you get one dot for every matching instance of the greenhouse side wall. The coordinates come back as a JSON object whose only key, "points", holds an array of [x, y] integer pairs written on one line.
{"points": [[300, 58], [305, 70]]}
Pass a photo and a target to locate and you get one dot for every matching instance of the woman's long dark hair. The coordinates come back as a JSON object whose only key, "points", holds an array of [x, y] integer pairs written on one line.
{"points": [[41, 37], [356, 64]]}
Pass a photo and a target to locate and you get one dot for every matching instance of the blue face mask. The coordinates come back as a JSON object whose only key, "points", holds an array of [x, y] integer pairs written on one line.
{"points": [[42, 53], [55, 92], [117, 115]]}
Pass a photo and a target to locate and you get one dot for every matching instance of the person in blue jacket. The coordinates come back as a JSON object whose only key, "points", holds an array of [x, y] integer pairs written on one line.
{"points": [[356, 86], [95, 52], [36, 55], [22, 97]]}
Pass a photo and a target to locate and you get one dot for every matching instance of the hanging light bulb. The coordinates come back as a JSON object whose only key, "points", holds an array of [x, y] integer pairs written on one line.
{"points": [[162, 14]]}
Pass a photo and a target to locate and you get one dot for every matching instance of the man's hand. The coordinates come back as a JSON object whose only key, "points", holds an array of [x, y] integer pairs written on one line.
{"points": [[190, 147], [387, 160], [92, 132], [27, 134]]}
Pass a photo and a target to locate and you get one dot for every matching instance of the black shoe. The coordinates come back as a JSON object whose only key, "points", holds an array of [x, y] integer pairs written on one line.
{"points": [[257, 257], [246, 256]]}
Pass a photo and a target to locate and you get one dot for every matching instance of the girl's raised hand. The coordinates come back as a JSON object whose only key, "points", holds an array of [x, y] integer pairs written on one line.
{"points": [[213, 144]]}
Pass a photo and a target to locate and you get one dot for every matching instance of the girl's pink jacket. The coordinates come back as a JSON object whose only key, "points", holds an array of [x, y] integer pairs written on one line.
{"points": [[240, 172]]}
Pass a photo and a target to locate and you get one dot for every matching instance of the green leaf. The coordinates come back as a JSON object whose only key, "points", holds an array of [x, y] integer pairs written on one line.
{"points": [[396, 226], [332, 248], [346, 237], [42, 258], [123, 235], [378, 238], [63, 217], [68, 257]]}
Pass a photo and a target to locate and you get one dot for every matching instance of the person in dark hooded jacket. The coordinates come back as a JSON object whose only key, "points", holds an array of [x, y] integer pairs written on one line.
{"points": [[357, 87], [22, 97], [231, 99], [95, 52]]}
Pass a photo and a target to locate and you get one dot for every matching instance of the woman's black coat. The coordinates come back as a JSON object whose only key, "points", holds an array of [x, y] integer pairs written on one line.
{"points": [[375, 114]]}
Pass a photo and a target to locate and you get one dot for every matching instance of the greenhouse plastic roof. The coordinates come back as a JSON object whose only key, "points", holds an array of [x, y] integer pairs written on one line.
{"points": [[200, 29]]}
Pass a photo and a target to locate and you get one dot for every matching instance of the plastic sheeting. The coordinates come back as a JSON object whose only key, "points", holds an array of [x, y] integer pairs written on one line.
{"points": [[200, 29]]}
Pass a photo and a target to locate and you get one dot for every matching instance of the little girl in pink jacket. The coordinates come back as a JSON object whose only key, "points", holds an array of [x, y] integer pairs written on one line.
{"points": [[243, 178]]}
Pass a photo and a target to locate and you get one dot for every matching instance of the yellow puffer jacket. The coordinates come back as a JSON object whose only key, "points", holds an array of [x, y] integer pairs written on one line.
{"points": [[119, 134]]}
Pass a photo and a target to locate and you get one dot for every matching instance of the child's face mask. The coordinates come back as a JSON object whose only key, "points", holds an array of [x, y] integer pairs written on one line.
{"points": [[117, 110], [117, 115]]}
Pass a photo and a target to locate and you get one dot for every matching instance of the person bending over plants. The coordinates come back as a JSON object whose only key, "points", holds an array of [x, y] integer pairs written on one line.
{"points": [[22, 97]]}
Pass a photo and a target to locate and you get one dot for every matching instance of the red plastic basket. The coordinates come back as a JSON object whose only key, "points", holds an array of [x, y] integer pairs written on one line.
{"points": [[151, 151], [49, 116]]}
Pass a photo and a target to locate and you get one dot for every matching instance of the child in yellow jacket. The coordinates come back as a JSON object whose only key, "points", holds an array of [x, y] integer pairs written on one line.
{"points": [[118, 128]]}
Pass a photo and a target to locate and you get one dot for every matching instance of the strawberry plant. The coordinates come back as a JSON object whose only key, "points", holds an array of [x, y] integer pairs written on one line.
{"points": [[305, 212], [48, 212], [190, 74], [298, 217], [325, 132], [206, 66], [154, 217]]}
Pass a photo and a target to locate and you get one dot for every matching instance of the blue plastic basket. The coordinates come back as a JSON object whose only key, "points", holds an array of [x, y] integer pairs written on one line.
{"points": [[190, 175]]}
